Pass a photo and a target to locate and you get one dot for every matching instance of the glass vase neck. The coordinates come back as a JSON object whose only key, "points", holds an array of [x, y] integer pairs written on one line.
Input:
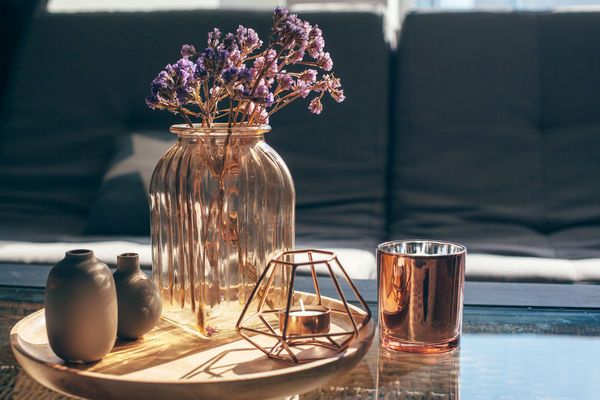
{"points": [[219, 130]]}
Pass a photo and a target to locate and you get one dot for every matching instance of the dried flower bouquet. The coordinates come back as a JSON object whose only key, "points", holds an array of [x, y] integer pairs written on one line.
{"points": [[253, 86], [234, 86]]}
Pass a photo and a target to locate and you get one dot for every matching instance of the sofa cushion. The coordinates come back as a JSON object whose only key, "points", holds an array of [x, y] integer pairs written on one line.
{"points": [[570, 119], [467, 152], [572, 175], [49, 177], [489, 150], [121, 205], [495, 268]]}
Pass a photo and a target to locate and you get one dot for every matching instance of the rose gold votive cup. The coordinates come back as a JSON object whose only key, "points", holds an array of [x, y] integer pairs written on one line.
{"points": [[311, 320], [420, 295]]}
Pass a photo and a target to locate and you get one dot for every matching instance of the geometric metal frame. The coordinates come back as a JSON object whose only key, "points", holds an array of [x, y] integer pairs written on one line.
{"points": [[284, 341]]}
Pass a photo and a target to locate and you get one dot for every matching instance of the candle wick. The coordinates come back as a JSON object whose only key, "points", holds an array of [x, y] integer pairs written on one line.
{"points": [[302, 305]]}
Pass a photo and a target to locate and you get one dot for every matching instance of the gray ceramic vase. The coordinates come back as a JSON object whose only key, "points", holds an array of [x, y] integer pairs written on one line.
{"points": [[140, 302], [81, 308]]}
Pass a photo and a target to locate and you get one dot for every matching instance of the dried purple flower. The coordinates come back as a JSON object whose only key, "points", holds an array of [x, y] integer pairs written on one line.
{"points": [[184, 73], [264, 116], [261, 91], [230, 75], [214, 91], [229, 43], [210, 331], [315, 46], [259, 63], [185, 65], [182, 93], [315, 106], [256, 92], [248, 38], [187, 51], [324, 61], [213, 38], [316, 32], [301, 89], [338, 95], [294, 34], [153, 101], [215, 61], [279, 13], [160, 82], [285, 81], [251, 108], [173, 87], [296, 56], [244, 75], [236, 58], [271, 59], [320, 86], [269, 99], [201, 72], [308, 76], [332, 82], [234, 74]]}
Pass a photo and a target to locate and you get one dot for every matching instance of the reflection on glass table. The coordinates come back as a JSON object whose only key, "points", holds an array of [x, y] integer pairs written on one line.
{"points": [[505, 352], [516, 352]]}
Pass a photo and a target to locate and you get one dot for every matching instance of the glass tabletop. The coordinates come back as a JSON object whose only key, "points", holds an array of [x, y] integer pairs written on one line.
{"points": [[505, 352]]}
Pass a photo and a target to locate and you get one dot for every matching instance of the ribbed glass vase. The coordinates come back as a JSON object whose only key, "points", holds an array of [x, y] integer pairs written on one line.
{"points": [[222, 206]]}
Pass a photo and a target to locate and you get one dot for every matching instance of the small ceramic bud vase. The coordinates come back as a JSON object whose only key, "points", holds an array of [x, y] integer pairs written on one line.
{"points": [[81, 308], [140, 301]]}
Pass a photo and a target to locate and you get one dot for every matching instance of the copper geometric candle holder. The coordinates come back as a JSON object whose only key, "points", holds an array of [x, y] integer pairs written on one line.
{"points": [[305, 327]]}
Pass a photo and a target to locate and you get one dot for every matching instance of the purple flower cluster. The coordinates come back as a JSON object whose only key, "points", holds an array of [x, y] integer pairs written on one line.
{"points": [[173, 87], [254, 85]]}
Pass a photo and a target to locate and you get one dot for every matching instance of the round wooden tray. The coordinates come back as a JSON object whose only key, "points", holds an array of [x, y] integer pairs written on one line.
{"points": [[171, 363]]}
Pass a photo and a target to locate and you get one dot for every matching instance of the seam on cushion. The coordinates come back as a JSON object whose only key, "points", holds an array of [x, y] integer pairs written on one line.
{"points": [[545, 227], [389, 167]]}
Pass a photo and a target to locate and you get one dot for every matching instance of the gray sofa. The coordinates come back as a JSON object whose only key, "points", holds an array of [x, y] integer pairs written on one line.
{"points": [[481, 128]]}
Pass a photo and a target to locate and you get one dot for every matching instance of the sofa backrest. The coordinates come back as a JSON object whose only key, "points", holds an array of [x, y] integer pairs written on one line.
{"points": [[78, 87], [497, 127], [494, 135], [14, 21]]}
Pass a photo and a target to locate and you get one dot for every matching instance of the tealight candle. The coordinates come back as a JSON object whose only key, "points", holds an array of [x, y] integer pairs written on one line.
{"points": [[306, 313], [306, 320]]}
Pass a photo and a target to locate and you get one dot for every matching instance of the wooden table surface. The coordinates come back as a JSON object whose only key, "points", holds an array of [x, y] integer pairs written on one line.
{"points": [[518, 341]]}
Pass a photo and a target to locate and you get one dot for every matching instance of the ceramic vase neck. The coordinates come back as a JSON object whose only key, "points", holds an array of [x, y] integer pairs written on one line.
{"points": [[80, 255], [128, 263]]}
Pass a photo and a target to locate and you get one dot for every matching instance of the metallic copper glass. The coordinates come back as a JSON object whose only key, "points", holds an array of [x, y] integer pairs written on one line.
{"points": [[222, 206], [420, 295]]}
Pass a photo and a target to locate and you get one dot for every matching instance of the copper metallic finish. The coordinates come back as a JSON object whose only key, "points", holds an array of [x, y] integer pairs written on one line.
{"points": [[291, 340], [420, 295]]}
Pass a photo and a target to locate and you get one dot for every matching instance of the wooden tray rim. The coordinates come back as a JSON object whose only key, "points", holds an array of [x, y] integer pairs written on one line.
{"points": [[365, 334]]}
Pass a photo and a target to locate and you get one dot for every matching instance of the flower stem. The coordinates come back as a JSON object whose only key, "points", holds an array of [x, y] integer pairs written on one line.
{"points": [[182, 112]]}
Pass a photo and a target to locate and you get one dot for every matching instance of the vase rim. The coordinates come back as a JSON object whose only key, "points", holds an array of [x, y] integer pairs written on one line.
{"points": [[219, 129], [79, 253]]}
